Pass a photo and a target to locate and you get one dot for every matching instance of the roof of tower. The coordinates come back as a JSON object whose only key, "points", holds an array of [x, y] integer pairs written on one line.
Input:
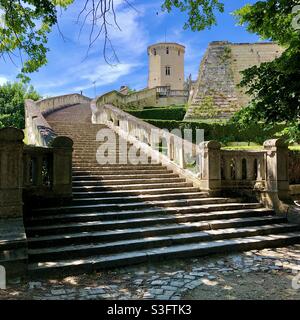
{"points": [[166, 44]]}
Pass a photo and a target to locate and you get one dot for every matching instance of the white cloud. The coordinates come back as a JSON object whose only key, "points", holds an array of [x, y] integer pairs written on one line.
{"points": [[103, 75], [3, 80]]}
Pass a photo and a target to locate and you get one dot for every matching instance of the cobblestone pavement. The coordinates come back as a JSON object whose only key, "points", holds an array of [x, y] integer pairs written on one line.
{"points": [[177, 279]]}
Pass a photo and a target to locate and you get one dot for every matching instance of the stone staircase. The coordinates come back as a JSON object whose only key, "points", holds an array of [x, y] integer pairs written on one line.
{"points": [[125, 214]]}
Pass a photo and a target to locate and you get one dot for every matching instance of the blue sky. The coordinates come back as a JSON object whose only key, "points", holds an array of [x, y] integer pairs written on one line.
{"points": [[69, 69]]}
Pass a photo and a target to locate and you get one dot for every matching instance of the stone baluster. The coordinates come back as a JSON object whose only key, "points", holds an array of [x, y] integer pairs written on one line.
{"points": [[179, 152], [238, 168], [227, 168], [277, 179], [170, 150], [62, 166], [11, 172], [250, 168], [210, 174]]}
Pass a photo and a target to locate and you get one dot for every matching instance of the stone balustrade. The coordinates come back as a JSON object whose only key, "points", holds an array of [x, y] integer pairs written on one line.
{"points": [[41, 170], [159, 96], [169, 148], [47, 172], [52, 104], [263, 173], [38, 130], [11, 172]]}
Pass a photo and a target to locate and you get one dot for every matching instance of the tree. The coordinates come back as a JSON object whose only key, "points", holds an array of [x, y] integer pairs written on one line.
{"points": [[27, 23], [12, 97], [24, 29]]}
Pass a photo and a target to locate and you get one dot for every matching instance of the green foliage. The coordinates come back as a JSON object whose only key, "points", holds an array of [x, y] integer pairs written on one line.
{"points": [[175, 113], [25, 31], [12, 96], [224, 132], [201, 13]]}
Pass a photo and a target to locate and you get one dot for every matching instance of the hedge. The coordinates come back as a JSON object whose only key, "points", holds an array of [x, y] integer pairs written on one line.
{"points": [[222, 132], [171, 113]]}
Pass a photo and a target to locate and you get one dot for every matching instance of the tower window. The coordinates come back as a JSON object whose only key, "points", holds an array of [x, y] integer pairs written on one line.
{"points": [[154, 52], [167, 50], [168, 71], [179, 52]]}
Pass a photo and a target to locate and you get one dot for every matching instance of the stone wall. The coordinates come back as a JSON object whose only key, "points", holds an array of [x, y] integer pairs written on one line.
{"points": [[215, 94], [143, 98]]}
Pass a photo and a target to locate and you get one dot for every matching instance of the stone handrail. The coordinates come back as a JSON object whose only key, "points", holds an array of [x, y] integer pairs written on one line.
{"points": [[47, 172], [217, 171], [29, 174], [38, 131], [148, 137], [52, 104]]}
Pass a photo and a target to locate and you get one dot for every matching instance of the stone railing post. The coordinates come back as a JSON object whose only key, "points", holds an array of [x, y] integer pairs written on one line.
{"points": [[277, 177], [210, 166], [62, 166], [11, 172]]}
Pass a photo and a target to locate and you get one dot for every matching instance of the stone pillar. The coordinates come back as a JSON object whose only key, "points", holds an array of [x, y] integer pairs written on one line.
{"points": [[13, 253], [62, 166], [11, 172], [210, 166], [277, 157]]}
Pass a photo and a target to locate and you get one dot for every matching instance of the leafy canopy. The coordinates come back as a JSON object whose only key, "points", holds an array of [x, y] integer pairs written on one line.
{"points": [[24, 31], [201, 13], [12, 97]]}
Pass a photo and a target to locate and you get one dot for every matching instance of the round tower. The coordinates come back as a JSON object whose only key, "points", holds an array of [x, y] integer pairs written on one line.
{"points": [[166, 65]]}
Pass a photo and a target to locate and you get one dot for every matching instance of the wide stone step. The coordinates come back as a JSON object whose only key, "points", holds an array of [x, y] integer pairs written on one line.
{"points": [[119, 166], [73, 266], [195, 222], [122, 176], [119, 161], [143, 204], [135, 198], [96, 236], [127, 181], [102, 172], [137, 187], [164, 191], [156, 213], [86, 250]]}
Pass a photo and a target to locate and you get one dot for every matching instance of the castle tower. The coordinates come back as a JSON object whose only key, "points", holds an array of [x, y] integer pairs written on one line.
{"points": [[166, 65]]}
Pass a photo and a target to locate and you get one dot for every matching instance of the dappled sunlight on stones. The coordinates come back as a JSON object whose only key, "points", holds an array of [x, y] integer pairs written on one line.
{"points": [[255, 274]]}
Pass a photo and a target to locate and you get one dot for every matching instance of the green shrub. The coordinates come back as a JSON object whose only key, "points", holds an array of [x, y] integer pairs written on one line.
{"points": [[12, 96], [171, 113], [222, 132]]}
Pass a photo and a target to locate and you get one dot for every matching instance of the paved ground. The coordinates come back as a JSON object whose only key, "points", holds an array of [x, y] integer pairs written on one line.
{"points": [[258, 274]]}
